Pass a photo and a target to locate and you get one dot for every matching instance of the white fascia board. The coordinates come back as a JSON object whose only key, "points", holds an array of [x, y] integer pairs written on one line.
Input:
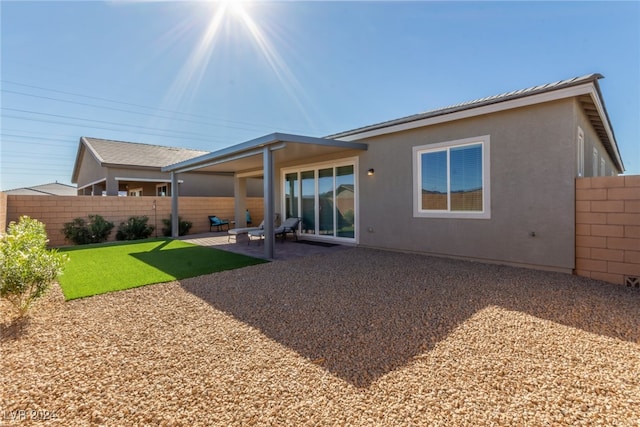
{"points": [[478, 111], [93, 183], [168, 181], [605, 122]]}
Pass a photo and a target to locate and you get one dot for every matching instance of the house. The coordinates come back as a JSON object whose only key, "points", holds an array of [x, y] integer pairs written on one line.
{"points": [[118, 168], [50, 189], [490, 180]]}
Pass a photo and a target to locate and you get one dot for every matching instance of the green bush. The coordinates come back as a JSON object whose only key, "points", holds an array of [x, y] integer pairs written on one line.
{"points": [[27, 267], [80, 232], [134, 229], [183, 227]]}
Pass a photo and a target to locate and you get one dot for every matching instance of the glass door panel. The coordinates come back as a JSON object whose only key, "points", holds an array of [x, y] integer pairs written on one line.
{"points": [[291, 195], [325, 201], [308, 182], [345, 201]]}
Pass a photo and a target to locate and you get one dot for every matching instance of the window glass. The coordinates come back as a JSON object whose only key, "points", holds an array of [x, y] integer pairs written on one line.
{"points": [[291, 194], [452, 179], [466, 178], [434, 180], [345, 201], [308, 202], [325, 200]]}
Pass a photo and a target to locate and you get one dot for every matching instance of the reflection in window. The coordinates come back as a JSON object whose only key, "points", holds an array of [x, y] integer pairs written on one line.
{"points": [[345, 201], [291, 195], [325, 200], [452, 179], [308, 202], [466, 178]]}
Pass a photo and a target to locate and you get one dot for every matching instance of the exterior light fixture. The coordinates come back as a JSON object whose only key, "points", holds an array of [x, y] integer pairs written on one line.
{"points": [[370, 172]]}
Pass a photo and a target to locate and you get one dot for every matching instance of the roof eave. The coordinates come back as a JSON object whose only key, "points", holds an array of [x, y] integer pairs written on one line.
{"points": [[253, 146]]}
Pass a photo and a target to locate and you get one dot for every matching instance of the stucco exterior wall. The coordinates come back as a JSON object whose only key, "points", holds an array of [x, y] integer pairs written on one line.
{"points": [[90, 170], [592, 141], [532, 159]]}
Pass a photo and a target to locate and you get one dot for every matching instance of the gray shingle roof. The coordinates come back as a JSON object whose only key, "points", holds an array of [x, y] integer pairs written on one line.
{"points": [[475, 103], [109, 152], [51, 189]]}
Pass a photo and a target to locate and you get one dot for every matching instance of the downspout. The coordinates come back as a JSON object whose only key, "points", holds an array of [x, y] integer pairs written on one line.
{"points": [[174, 205]]}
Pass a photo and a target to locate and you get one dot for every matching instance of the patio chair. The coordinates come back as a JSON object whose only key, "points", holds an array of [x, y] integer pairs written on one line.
{"points": [[290, 225], [214, 221], [235, 232]]}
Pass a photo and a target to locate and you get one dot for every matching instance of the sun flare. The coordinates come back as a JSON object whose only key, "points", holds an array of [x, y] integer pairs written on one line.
{"points": [[224, 17]]}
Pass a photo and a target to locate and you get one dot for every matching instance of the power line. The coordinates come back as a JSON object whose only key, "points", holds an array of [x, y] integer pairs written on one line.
{"points": [[130, 111], [207, 139], [141, 106]]}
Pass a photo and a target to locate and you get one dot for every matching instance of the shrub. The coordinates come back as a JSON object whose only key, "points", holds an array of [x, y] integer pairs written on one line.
{"points": [[80, 232], [27, 267], [134, 229], [183, 227]]}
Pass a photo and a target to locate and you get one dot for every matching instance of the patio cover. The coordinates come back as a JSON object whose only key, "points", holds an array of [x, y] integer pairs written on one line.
{"points": [[255, 157]]}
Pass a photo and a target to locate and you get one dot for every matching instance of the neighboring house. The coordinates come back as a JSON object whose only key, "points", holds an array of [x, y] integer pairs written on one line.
{"points": [[491, 179], [117, 168], [51, 189]]}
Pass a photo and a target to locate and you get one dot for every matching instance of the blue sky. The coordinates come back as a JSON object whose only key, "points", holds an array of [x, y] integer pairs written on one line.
{"points": [[158, 72]]}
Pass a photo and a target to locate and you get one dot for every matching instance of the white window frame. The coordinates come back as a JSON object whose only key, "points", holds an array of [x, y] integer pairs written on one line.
{"points": [[164, 184], [603, 167], [594, 162], [418, 212], [580, 149], [350, 161]]}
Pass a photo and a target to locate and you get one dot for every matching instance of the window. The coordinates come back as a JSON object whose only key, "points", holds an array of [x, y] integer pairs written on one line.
{"points": [[451, 179], [323, 195], [162, 190], [603, 167], [580, 150]]}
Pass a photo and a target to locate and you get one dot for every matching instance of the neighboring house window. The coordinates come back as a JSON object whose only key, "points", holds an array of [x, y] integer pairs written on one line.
{"points": [[135, 192], [603, 167], [162, 190], [580, 150], [451, 179], [594, 162]]}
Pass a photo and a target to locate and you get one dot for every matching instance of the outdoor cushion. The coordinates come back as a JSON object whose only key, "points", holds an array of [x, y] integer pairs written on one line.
{"points": [[243, 230], [214, 221], [290, 225]]}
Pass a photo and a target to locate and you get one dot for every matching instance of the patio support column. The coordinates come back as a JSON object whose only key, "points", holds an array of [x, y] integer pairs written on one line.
{"points": [[269, 204], [240, 202], [174, 205]]}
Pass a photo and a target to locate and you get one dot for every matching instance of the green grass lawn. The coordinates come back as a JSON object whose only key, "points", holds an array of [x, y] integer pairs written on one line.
{"points": [[107, 267]]}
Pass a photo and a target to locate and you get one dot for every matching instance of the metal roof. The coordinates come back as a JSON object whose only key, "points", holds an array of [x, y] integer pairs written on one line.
{"points": [[473, 104], [593, 106], [51, 189]]}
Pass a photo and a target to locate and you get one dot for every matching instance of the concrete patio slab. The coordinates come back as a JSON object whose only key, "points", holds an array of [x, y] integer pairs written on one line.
{"points": [[284, 250]]}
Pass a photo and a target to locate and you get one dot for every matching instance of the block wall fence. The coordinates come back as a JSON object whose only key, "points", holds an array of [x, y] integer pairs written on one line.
{"points": [[54, 211], [608, 229]]}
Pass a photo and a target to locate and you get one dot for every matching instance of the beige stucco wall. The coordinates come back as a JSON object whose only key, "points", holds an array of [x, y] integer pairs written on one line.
{"points": [[533, 168], [592, 141]]}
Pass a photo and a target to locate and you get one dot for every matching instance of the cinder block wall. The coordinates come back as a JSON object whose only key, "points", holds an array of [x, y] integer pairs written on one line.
{"points": [[608, 229], [55, 211]]}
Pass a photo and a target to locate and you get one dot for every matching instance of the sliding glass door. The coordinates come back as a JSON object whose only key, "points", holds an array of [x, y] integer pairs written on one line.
{"points": [[324, 197]]}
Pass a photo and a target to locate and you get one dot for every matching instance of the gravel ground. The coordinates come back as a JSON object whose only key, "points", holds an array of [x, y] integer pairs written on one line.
{"points": [[358, 337]]}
